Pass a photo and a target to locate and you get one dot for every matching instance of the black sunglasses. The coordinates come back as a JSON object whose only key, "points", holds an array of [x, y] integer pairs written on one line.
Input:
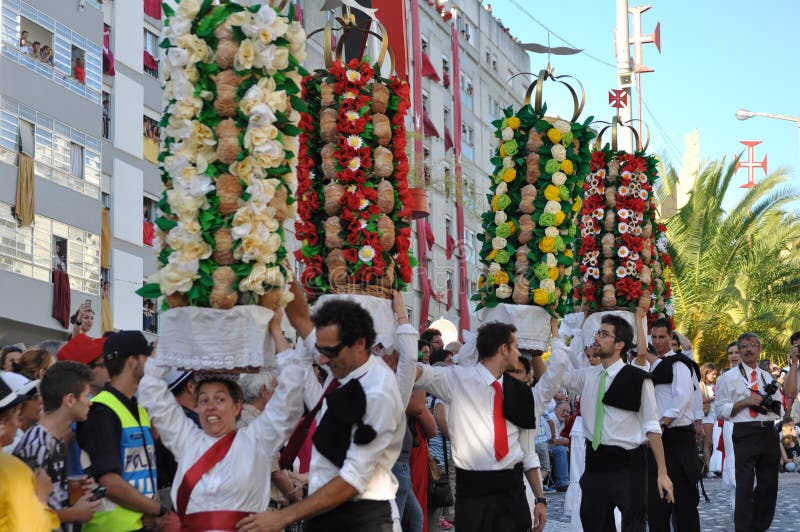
{"points": [[330, 352]]}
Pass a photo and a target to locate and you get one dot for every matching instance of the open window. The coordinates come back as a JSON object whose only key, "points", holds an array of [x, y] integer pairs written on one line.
{"points": [[152, 135], [151, 53], [78, 57], [148, 217], [76, 163], [59, 253], [35, 41], [106, 114]]}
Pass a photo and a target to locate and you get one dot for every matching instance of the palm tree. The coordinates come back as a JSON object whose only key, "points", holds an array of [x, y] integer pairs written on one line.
{"points": [[736, 270]]}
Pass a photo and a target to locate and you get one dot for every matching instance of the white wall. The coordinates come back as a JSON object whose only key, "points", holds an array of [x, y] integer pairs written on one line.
{"points": [[126, 206], [128, 34], [128, 112], [127, 278]]}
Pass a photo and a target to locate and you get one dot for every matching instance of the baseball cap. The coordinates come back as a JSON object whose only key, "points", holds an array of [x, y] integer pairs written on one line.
{"points": [[125, 344], [177, 377], [83, 349]]}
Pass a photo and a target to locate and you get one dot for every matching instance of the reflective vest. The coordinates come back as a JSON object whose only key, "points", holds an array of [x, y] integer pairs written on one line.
{"points": [[138, 468]]}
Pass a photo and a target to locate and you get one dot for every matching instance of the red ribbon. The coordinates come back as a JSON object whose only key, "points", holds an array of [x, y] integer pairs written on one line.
{"points": [[210, 458]]}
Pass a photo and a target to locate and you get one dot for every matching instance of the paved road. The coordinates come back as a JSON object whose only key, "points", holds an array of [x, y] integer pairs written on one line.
{"points": [[715, 516]]}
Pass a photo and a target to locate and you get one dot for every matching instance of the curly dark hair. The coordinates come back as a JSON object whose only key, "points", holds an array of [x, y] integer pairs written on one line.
{"points": [[429, 334], [352, 320], [235, 391], [491, 336]]}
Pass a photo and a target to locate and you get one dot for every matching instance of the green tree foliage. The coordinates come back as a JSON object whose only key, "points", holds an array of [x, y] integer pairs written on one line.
{"points": [[736, 270]]}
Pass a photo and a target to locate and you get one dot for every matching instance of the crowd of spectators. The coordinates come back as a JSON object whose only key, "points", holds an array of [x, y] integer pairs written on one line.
{"points": [[35, 49]]}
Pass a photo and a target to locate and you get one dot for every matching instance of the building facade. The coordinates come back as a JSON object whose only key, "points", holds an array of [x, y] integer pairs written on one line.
{"points": [[75, 111], [92, 138]]}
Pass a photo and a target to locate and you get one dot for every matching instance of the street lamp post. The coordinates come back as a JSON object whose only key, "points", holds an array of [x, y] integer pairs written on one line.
{"points": [[743, 114]]}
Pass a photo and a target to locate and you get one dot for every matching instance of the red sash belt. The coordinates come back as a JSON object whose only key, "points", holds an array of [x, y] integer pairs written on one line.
{"points": [[210, 458], [219, 520]]}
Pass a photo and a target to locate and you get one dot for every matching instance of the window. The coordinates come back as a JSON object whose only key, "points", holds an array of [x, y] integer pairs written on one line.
{"points": [[151, 53], [466, 91], [425, 102], [446, 112], [469, 246], [32, 251], [448, 186], [152, 137], [149, 315], [445, 72], [424, 44], [78, 62], [426, 164], [148, 215], [106, 114], [494, 62], [448, 226], [62, 154], [18, 17]]}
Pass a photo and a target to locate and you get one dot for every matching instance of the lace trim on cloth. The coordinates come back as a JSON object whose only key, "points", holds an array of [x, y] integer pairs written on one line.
{"points": [[532, 322]]}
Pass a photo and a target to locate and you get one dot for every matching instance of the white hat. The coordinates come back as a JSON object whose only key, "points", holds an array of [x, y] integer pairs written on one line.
{"points": [[177, 377], [20, 384]]}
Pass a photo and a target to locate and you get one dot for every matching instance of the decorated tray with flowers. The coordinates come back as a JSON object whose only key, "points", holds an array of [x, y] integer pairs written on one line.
{"points": [[528, 233], [354, 220], [230, 117], [621, 260]]}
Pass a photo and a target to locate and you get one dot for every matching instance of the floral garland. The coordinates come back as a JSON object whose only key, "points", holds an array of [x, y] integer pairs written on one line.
{"points": [[662, 267], [354, 201], [535, 194], [618, 265], [230, 120]]}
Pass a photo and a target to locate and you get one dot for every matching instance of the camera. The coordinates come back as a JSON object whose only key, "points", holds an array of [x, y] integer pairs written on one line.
{"points": [[768, 404]]}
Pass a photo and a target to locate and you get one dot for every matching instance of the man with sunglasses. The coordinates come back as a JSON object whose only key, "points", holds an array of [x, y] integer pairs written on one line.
{"points": [[360, 421]]}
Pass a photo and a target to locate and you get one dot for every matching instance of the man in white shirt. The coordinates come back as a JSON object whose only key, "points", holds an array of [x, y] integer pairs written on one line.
{"points": [[790, 383], [618, 412], [677, 392], [359, 432], [742, 394], [491, 422]]}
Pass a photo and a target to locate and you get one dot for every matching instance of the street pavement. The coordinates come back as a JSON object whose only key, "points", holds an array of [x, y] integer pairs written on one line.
{"points": [[715, 516]]}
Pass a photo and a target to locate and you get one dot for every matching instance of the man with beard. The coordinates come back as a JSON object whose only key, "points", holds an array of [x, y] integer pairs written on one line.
{"points": [[618, 408], [740, 398], [118, 439]]}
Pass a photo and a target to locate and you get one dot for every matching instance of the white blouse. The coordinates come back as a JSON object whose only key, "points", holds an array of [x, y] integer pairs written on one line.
{"points": [[237, 482]]}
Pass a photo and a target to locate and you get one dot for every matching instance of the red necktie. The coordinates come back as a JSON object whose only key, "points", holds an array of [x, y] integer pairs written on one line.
{"points": [[500, 431], [753, 389], [290, 452]]}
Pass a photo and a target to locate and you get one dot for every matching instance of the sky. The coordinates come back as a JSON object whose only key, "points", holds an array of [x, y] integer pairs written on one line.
{"points": [[717, 56]]}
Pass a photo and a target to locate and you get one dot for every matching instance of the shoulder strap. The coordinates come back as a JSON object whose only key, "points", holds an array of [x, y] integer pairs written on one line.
{"points": [[111, 401], [204, 464]]}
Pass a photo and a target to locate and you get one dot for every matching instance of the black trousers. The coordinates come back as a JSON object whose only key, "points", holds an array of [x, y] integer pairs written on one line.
{"points": [[354, 516], [492, 501], [684, 470], [757, 458], [614, 478]]}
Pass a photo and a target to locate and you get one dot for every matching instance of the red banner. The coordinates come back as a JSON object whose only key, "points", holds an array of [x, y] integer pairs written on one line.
{"points": [[392, 14]]}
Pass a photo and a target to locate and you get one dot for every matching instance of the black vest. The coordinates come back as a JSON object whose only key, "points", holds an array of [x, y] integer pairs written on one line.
{"points": [[625, 391], [663, 372], [346, 407], [518, 405]]}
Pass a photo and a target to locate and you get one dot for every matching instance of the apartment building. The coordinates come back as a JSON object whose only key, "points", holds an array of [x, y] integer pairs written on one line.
{"points": [[75, 113]]}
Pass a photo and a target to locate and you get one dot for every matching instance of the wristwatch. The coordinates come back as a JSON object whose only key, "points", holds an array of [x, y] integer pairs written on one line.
{"points": [[540, 500]]}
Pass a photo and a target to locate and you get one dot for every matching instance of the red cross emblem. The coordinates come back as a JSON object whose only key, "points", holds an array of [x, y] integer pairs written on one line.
{"points": [[751, 164], [618, 98]]}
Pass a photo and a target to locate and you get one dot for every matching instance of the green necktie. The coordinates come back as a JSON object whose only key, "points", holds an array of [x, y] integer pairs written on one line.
{"points": [[599, 411]]}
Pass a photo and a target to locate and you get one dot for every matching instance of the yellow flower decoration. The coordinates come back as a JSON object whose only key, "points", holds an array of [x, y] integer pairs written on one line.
{"points": [[551, 192], [540, 296], [512, 227], [494, 203], [560, 217], [554, 135], [577, 205], [568, 253], [509, 174], [547, 244], [492, 254], [567, 167], [514, 122], [552, 273], [502, 151], [501, 277], [481, 281]]}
